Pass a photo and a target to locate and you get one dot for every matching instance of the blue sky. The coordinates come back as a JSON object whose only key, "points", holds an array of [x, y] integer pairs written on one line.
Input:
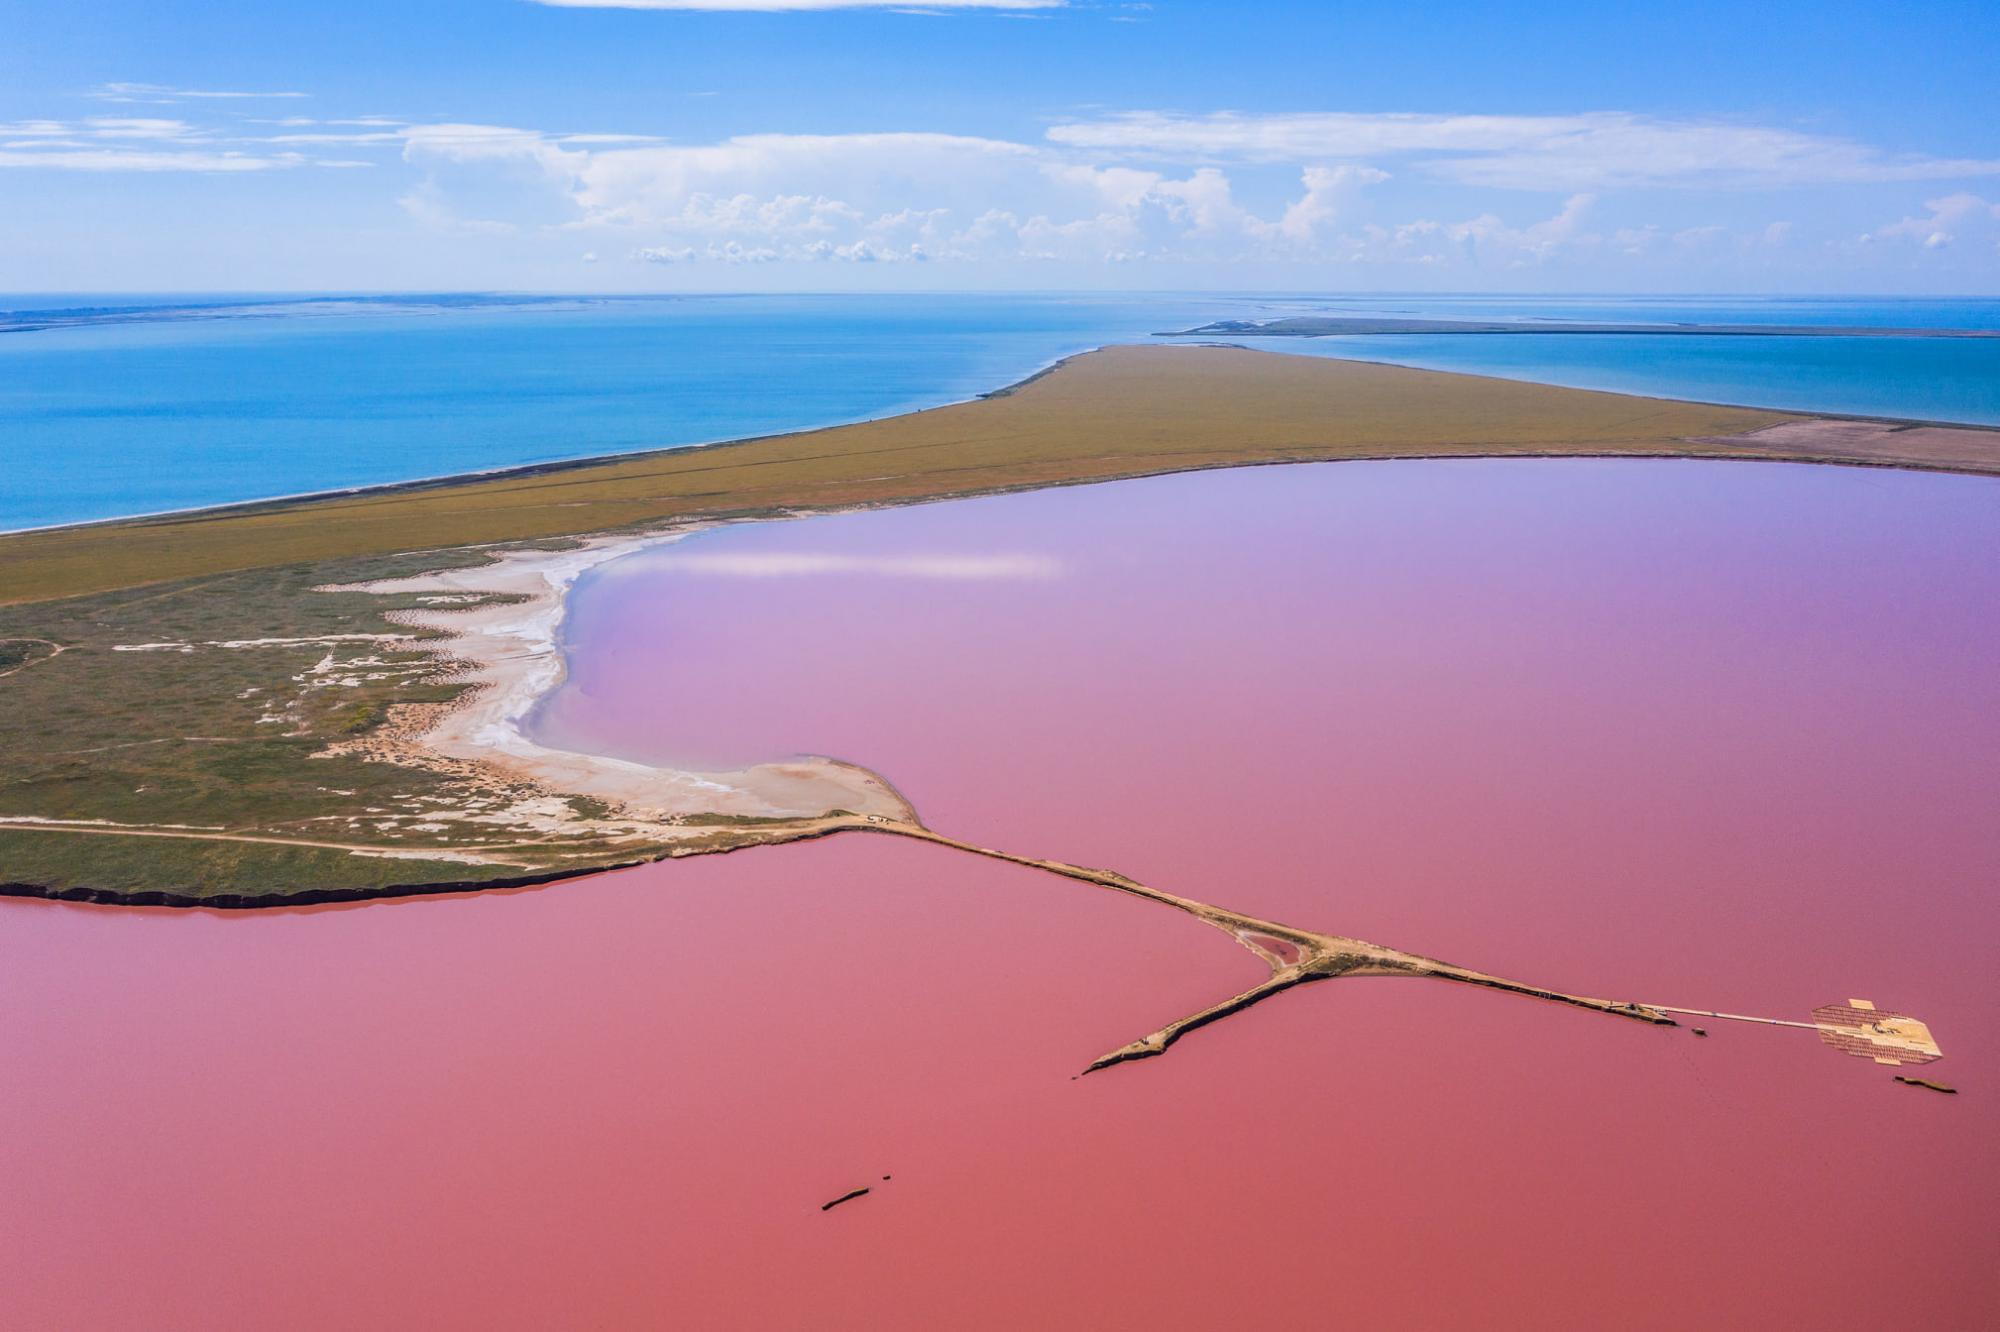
{"points": [[662, 145]]}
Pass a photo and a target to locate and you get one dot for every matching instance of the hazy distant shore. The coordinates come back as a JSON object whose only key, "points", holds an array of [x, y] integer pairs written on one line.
{"points": [[1320, 326]]}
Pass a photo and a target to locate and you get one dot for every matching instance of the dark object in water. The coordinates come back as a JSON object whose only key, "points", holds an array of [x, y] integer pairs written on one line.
{"points": [[1701, 1031], [848, 1196], [1926, 1082]]}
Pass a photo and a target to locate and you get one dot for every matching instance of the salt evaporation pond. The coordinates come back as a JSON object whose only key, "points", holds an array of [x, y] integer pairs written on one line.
{"points": [[1709, 733]]}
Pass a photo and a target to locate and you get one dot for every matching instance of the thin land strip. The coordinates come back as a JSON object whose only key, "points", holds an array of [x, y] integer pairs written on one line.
{"points": [[325, 699], [1121, 412], [322, 700], [1320, 326]]}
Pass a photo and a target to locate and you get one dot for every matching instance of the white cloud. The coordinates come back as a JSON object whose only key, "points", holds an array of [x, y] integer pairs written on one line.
{"points": [[161, 143], [1692, 238], [426, 203], [1594, 150], [135, 127], [664, 184], [1197, 192], [1537, 241], [348, 137], [1947, 220], [104, 127], [120, 159], [728, 252], [1489, 241], [453, 142], [1327, 191], [914, 197], [1636, 240], [159, 93]]}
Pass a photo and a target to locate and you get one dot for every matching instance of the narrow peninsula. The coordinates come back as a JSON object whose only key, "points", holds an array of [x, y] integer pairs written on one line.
{"points": [[325, 699]]}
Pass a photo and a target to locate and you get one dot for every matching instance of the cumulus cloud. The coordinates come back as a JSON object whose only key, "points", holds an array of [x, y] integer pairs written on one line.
{"points": [[1944, 222], [1489, 240], [1594, 150], [1327, 190], [1102, 191], [1536, 241], [1197, 191], [427, 204], [728, 252], [895, 197]]}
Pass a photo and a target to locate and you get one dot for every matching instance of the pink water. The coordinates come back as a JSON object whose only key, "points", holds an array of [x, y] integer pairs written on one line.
{"points": [[1713, 734]]}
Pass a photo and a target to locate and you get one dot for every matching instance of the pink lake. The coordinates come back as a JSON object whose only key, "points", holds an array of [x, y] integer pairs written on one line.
{"points": [[1721, 735]]}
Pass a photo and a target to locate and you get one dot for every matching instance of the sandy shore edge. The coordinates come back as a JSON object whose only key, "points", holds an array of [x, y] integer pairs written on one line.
{"points": [[498, 625]]}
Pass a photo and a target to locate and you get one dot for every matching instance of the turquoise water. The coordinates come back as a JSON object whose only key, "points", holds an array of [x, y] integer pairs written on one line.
{"points": [[1932, 379], [168, 413], [1936, 379], [146, 404]]}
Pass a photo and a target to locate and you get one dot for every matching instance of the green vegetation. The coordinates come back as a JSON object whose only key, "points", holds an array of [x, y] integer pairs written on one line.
{"points": [[146, 722], [131, 866]]}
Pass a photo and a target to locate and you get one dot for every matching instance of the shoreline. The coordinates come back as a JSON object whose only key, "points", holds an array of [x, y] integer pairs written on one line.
{"points": [[511, 653], [428, 742], [527, 470], [1810, 413], [507, 648], [557, 466], [1124, 410]]}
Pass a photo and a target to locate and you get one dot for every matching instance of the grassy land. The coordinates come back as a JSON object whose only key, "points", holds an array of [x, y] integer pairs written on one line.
{"points": [[235, 740], [131, 867]]}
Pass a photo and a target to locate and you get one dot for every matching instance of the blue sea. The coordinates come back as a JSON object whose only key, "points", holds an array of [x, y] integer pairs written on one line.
{"points": [[115, 405]]}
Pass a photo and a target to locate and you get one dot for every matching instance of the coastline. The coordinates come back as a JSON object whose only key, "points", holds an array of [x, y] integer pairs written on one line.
{"points": [[1120, 411], [507, 647], [427, 724], [510, 651], [1808, 413], [549, 467], [557, 466]]}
